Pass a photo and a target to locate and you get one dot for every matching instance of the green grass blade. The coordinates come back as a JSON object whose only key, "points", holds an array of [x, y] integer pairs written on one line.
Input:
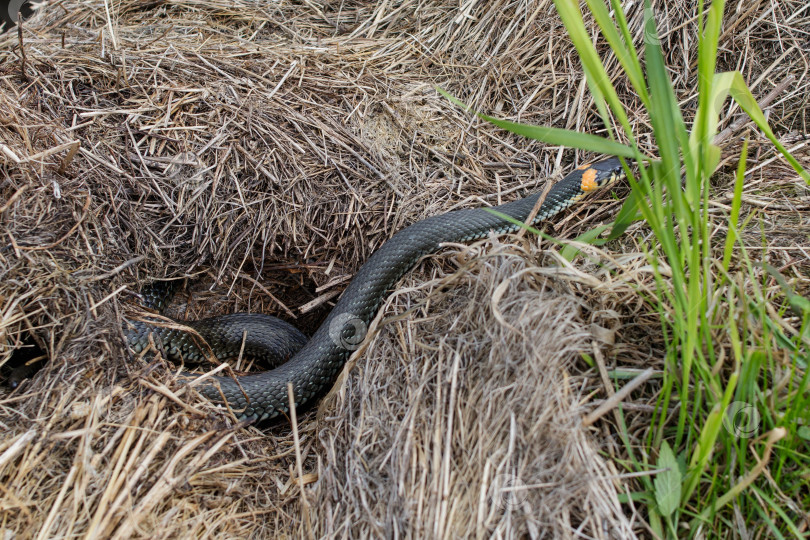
{"points": [[732, 83], [704, 129], [708, 436], [565, 137], [550, 135], [625, 54], [597, 76], [736, 204], [742, 95]]}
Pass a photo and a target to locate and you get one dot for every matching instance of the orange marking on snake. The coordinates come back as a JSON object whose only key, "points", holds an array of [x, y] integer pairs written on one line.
{"points": [[583, 167], [589, 180]]}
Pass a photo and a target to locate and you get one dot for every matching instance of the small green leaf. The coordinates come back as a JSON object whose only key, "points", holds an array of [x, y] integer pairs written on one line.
{"points": [[668, 482], [627, 215], [804, 433], [589, 237]]}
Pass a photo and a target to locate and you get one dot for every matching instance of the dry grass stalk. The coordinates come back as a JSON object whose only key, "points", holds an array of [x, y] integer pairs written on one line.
{"points": [[283, 142]]}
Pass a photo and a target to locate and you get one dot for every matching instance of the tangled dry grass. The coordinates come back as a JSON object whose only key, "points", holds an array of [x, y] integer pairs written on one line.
{"points": [[264, 150]]}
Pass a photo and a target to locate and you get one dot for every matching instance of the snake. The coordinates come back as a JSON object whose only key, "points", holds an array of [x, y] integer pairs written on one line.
{"points": [[312, 365]]}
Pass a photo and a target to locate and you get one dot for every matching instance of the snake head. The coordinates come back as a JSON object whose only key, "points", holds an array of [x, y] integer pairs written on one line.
{"points": [[600, 174]]}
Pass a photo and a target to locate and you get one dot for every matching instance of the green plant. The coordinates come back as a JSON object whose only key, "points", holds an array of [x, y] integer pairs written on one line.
{"points": [[699, 294]]}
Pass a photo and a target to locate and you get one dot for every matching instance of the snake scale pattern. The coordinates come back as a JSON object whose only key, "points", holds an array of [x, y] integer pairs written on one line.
{"points": [[312, 365]]}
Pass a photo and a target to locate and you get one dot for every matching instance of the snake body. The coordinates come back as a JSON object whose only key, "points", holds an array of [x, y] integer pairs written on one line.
{"points": [[313, 365]]}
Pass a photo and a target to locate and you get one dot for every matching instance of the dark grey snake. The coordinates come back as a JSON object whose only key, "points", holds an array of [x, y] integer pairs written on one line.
{"points": [[313, 365]]}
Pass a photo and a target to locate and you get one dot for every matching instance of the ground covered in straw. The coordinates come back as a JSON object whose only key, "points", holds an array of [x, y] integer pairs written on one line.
{"points": [[262, 151]]}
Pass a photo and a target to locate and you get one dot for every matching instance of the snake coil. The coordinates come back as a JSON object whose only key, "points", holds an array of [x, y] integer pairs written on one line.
{"points": [[314, 364]]}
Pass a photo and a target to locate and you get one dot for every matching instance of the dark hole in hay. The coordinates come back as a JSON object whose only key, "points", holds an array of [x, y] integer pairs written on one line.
{"points": [[291, 284], [291, 287], [24, 361]]}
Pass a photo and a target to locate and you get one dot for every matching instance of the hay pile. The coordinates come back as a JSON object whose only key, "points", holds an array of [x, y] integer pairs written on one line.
{"points": [[264, 150]]}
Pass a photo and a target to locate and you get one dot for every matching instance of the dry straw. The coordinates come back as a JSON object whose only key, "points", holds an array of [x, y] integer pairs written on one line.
{"points": [[265, 149]]}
